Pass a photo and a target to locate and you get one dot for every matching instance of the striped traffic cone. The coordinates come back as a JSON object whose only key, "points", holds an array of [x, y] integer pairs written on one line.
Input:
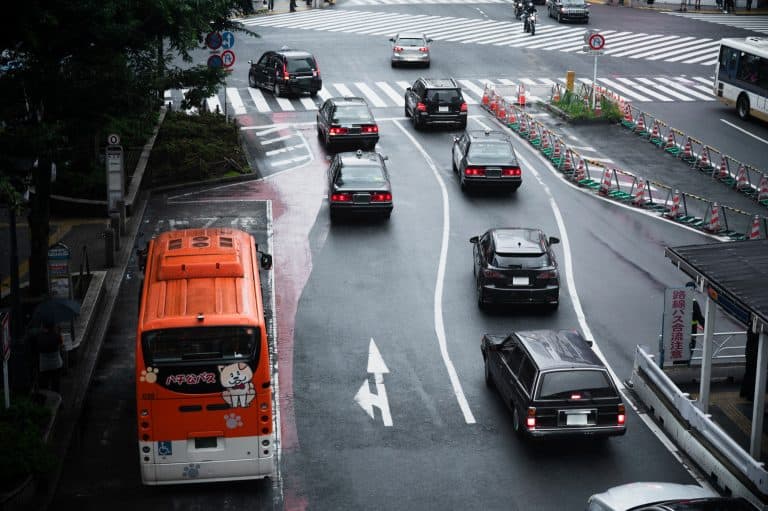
{"points": [[704, 163], [556, 93], [674, 211], [742, 180], [640, 126], [714, 225], [723, 172], [639, 198], [605, 184], [567, 164], [581, 173], [521, 95], [655, 131], [599, 106], [754, 232], [501, 112], [486, 99], [670, 140], [687, 150], [762, 193], [493, 102], [511, 118], [556, 154], [545, 141]]}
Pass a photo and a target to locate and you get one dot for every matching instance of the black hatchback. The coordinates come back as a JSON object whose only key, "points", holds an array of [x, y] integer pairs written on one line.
{"points": [[436, 101], [554, 383], [286, 71], [515, 265], [486, 158]]}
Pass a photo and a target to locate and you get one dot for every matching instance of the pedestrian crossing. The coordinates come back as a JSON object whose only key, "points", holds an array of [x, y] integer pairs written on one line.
{"points": [[553, 37], [388, 94], [757, 23], [413, 2]]}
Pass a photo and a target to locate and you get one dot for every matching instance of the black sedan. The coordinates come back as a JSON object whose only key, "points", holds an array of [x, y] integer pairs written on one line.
{"points": [[568, 10], [515, 265], [486, 158], [348, 121], [358, 183]]}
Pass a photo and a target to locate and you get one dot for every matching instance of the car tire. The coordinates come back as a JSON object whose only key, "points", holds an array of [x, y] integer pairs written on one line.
{"points": [[277, 90], [481, 303], [463, 125], [453, 166], [416, 123], [742, 107], [319, 133], [387, 215], [487, 370], [394, 64], [252, 81], [313, 94]]}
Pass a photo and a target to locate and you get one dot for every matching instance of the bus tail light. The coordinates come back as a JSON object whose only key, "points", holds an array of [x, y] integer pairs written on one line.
{"points": [[530, 421]]}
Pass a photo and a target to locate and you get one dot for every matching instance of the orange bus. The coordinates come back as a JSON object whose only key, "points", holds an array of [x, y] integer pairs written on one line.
{"points": [[203, 374]]}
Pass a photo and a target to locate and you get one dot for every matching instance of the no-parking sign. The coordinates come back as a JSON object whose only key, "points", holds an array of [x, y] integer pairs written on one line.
{"points": [[596, 41]]}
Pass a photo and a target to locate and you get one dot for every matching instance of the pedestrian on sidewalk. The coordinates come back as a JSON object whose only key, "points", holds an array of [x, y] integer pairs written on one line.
{"points": [[747, 389], [271, 5], [749, 5], [316, 3], [48, 344], [697, 5], [293, 5], [683, 6]]}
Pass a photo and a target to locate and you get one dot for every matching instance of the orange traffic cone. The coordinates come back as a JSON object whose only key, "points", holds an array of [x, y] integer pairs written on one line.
{"points": [[754, 232], [670, 140], [567, 164], [485, 99], [639, 198], [674, 211], [501, 112], [492, 103], [556, 154], [704, 159], [655, 135], [742, 181], [762, 189], [511, 119], [605, 185], [688, 150], [545, 140], [628, 114], [714, 219], [521, 95], [556, 94], [640, 126], [581, 173], [723, 172], [598, 106]]}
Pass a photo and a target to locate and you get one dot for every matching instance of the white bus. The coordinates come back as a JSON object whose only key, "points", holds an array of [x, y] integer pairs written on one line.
{"points": [[741, 76]]}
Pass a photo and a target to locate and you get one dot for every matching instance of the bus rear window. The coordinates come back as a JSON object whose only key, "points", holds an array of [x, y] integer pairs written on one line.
{"points": [[219, 344]]}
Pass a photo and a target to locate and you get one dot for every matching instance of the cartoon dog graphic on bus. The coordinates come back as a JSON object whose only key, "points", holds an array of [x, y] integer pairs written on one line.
{"points": [[238, 387]]}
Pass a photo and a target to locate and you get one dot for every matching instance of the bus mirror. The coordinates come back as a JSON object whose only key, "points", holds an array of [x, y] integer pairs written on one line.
{"points": [[266, 261], [141, 253]]}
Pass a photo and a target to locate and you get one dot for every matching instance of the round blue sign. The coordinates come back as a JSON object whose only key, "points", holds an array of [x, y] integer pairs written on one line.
{"points": [[215, 61]]}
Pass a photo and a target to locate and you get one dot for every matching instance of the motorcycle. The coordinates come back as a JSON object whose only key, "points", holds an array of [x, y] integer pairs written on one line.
{"points": [[529, 22], [518, 9]]}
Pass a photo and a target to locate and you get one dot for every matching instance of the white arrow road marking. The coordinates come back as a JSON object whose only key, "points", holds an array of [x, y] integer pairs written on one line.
{"points": [[364, 397]]}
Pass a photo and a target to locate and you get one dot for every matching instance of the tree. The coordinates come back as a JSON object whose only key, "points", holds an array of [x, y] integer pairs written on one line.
{"points": [[80, 65]]}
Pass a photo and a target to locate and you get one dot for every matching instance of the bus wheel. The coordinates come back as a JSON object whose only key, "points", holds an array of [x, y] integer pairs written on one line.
{"points": [[742, 107]]}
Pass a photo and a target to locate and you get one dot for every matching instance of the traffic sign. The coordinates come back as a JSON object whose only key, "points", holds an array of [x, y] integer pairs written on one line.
{"points": [[596, 42], [213, 40], [227, 40], [215, 61], [589, 51], [228, 58], [113, 139]]}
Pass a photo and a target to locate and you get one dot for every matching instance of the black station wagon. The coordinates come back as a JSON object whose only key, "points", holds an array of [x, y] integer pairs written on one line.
{"points": [[554, 383]]}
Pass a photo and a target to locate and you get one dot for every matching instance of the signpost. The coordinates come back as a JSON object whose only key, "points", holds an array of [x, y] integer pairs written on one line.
{"points": [[595, 45], [224, 41], [5, 337], [115, 172], [59, 279], [676, 327]]}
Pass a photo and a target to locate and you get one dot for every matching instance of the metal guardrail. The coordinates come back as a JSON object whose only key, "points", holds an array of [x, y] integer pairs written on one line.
{"points": [[724, 348], [725, 446]]}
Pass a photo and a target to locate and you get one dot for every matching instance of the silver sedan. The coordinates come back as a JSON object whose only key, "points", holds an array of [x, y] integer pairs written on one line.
{"points": [[410, 47]]}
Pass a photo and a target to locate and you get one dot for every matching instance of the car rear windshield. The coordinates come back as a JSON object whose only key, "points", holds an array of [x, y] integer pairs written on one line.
{"points": [[352, 113], [301, 64], [573, 3], [444, 96], [586, 383], [360, 174], [522, 262], [410, 41], [492, 152]]}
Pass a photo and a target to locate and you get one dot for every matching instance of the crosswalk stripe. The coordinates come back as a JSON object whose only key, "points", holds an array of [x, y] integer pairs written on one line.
{"points": [[389, 91], [684, 89], [309, 103], [669, 91], [258, 100], [620, 88], [371, 95], [234, 99], [285, 104], [343, 89], [324, 94], [646, 90], [757, 23], [643, 49], [213, 104]]}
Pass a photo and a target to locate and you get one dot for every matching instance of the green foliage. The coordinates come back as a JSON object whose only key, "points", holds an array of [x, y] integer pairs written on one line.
{"points": [[196, 147], [577, 109], [23, 451]]}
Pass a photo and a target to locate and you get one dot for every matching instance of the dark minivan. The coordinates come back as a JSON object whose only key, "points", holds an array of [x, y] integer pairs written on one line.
{"points": [[554, 383], [286, 71]]}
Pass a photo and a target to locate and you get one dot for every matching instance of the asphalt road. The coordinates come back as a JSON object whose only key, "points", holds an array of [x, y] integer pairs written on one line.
{"points": [[404, 288]]}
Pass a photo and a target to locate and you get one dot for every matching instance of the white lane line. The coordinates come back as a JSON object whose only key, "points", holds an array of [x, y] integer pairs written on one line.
{"points": [[284, 149], [764, 141], [278, 139], [439, 325]]}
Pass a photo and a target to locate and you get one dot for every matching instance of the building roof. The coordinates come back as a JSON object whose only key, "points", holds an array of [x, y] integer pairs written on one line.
{"points": [[734, 274]]}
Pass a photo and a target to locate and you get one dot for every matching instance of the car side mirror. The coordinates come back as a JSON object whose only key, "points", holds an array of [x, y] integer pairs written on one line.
{"points": [[250, 62], [385, 157], [392, 39], [455, 139], [553, 240], [407, 89], [474, 239], [429, 39]]}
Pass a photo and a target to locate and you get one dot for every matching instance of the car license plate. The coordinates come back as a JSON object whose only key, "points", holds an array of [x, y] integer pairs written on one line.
{"points": [[492, 172], [353, 131], [576, 419], [520, 281], [361, 198], [443, 109]]}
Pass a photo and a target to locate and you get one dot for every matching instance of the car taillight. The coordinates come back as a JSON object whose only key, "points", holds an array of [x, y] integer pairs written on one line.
{"points": [[421, 107], [474, 171], [511, 171], [381, 197], [530, 421], [316, 71], [575, 397], [423, 49], [397, 48], [286, 76], [341, 197], [492, 274], [370, 129], [463, 107], [547, 275], [336, 130], [621, 417]]}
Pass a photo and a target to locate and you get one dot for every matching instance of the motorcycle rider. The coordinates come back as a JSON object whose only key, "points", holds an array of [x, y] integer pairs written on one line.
{"points": [[527, 12], [518, 9]]}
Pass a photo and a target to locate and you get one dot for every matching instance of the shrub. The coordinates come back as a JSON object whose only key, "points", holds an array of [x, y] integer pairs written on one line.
{"points": [[574, 106]]}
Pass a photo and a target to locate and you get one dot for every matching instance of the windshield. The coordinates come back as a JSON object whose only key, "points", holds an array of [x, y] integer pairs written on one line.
{"points": [[491, 152], [576, 3], [411, 41], [522, 262], [363, 174], [352, 113], [444, 96], [564, 384], [301, 65], [175, 346]]}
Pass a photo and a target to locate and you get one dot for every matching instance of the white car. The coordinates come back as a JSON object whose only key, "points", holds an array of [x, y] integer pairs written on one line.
{"points": [[411, 47], [659, 496]]}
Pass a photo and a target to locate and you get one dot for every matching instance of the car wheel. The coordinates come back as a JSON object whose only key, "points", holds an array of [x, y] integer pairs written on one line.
{"points": [[278, 91], [481, 303], [453, 166], [488, 378], [319, 133], [416, 123], [394, 64], [463, 125], [313, 94], [251, 81], [405, 112], [742, 107], [559, 18]]}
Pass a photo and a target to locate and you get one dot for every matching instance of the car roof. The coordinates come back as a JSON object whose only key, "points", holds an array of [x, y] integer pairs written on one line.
{"points": [[554, 349], [411, 35], [488, 135], [360, 157], [627, 496], [440, 83], [348, 100], [290, 52], [517, 240]]}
